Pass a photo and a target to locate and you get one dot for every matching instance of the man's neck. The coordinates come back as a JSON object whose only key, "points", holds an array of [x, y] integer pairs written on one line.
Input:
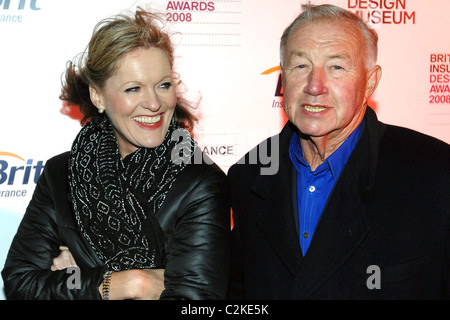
{"points": [[317, 149]]}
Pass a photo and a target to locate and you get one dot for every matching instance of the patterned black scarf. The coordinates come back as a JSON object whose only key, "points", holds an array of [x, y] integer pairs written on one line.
{"points": [[115, 200]]}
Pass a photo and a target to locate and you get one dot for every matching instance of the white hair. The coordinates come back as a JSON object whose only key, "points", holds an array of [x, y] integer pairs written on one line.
{"points": [[312, 13]]}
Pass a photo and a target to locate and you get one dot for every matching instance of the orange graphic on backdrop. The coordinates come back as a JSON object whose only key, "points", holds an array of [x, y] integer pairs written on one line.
{"points": [[269, 71], [279, 89], [9, 154]]}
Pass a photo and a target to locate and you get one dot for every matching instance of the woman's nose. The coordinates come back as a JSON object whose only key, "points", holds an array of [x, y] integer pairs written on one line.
{"points": [[150, 101]]}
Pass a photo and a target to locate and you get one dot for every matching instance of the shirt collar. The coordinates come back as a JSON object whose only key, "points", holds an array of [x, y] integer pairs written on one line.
{"points": [[335, 162]]}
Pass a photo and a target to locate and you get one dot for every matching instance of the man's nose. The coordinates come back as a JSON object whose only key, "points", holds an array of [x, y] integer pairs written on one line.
{"points": [[316, 83]]}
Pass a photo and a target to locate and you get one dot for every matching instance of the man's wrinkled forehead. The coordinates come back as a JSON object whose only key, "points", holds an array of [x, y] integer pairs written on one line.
{"points": [[324, 35], [337, 55], [346, 27]]}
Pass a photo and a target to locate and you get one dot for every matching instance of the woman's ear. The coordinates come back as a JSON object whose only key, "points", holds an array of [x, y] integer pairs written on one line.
{"points": [[97, 98]]}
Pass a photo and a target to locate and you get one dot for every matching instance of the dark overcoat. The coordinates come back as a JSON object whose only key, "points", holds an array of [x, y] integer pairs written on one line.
{"points": [[384, 233]]}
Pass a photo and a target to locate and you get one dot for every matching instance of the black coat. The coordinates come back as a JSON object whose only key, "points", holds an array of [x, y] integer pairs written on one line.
{"points": [[194, 217], [390, 210]]}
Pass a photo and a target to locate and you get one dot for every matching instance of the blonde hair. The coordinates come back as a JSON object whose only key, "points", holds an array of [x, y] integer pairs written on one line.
{"points": [[111, 40]]}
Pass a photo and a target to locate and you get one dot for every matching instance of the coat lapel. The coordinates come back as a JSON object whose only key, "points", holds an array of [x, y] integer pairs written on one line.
{"points": [[277, 222], [276, 218]]}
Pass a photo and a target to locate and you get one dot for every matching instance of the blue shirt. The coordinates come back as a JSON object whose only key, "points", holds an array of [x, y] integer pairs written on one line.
{"points": [[314, 187]]}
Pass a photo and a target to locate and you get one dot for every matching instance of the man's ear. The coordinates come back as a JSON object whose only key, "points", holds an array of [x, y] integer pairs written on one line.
{"points": [[97, 98], [374, 77]]}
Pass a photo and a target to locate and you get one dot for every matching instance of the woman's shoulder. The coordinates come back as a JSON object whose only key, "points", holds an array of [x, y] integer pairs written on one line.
{"points": [[55, 169], [60, 160], [202, 168], [200, 192], [201, 177]]}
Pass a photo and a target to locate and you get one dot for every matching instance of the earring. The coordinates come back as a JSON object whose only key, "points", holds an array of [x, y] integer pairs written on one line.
{"points": [[101, 111]]}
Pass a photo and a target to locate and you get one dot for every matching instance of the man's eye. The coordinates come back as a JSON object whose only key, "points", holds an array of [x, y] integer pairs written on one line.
{"points": [[337, 68], [301, 66], [132, 89]]}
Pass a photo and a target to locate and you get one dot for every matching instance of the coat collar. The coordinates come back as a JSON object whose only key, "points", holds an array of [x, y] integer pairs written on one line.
{"points": [[372, 133], [343, 225]]}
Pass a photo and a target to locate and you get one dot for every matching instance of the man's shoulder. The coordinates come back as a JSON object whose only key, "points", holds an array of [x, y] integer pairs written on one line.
{"points": [[411, 143], [413, 157], [265, 157]]}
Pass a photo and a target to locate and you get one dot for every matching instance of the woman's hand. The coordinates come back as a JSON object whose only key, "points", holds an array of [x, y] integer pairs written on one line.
{"points": [[64, 260], [137, 284]]}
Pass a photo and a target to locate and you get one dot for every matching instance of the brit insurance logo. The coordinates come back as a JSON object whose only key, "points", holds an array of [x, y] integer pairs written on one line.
{"points": [[278, 96], [13, 11], [18, 174]]}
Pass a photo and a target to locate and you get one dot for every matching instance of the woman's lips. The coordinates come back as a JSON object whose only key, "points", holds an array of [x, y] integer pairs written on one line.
{"points": [[149, 122]]}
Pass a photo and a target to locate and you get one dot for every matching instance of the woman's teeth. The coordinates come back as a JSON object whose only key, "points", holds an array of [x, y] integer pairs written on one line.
{"points": [[148, 120], [314, 109]]}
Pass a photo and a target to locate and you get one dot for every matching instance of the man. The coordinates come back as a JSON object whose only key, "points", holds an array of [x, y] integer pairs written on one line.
{"points": [[358, 209]]}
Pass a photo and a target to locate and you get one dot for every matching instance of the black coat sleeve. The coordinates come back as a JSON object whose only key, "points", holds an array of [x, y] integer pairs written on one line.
{"points": [[27, 273], [199, 256]]}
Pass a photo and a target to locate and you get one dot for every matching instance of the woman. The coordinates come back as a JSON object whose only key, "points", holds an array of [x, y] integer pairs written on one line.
{"points": [[137, 215]]}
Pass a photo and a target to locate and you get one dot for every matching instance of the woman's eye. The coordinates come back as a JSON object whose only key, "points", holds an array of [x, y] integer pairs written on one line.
{"points": [[165, 85], [132, 89]]}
